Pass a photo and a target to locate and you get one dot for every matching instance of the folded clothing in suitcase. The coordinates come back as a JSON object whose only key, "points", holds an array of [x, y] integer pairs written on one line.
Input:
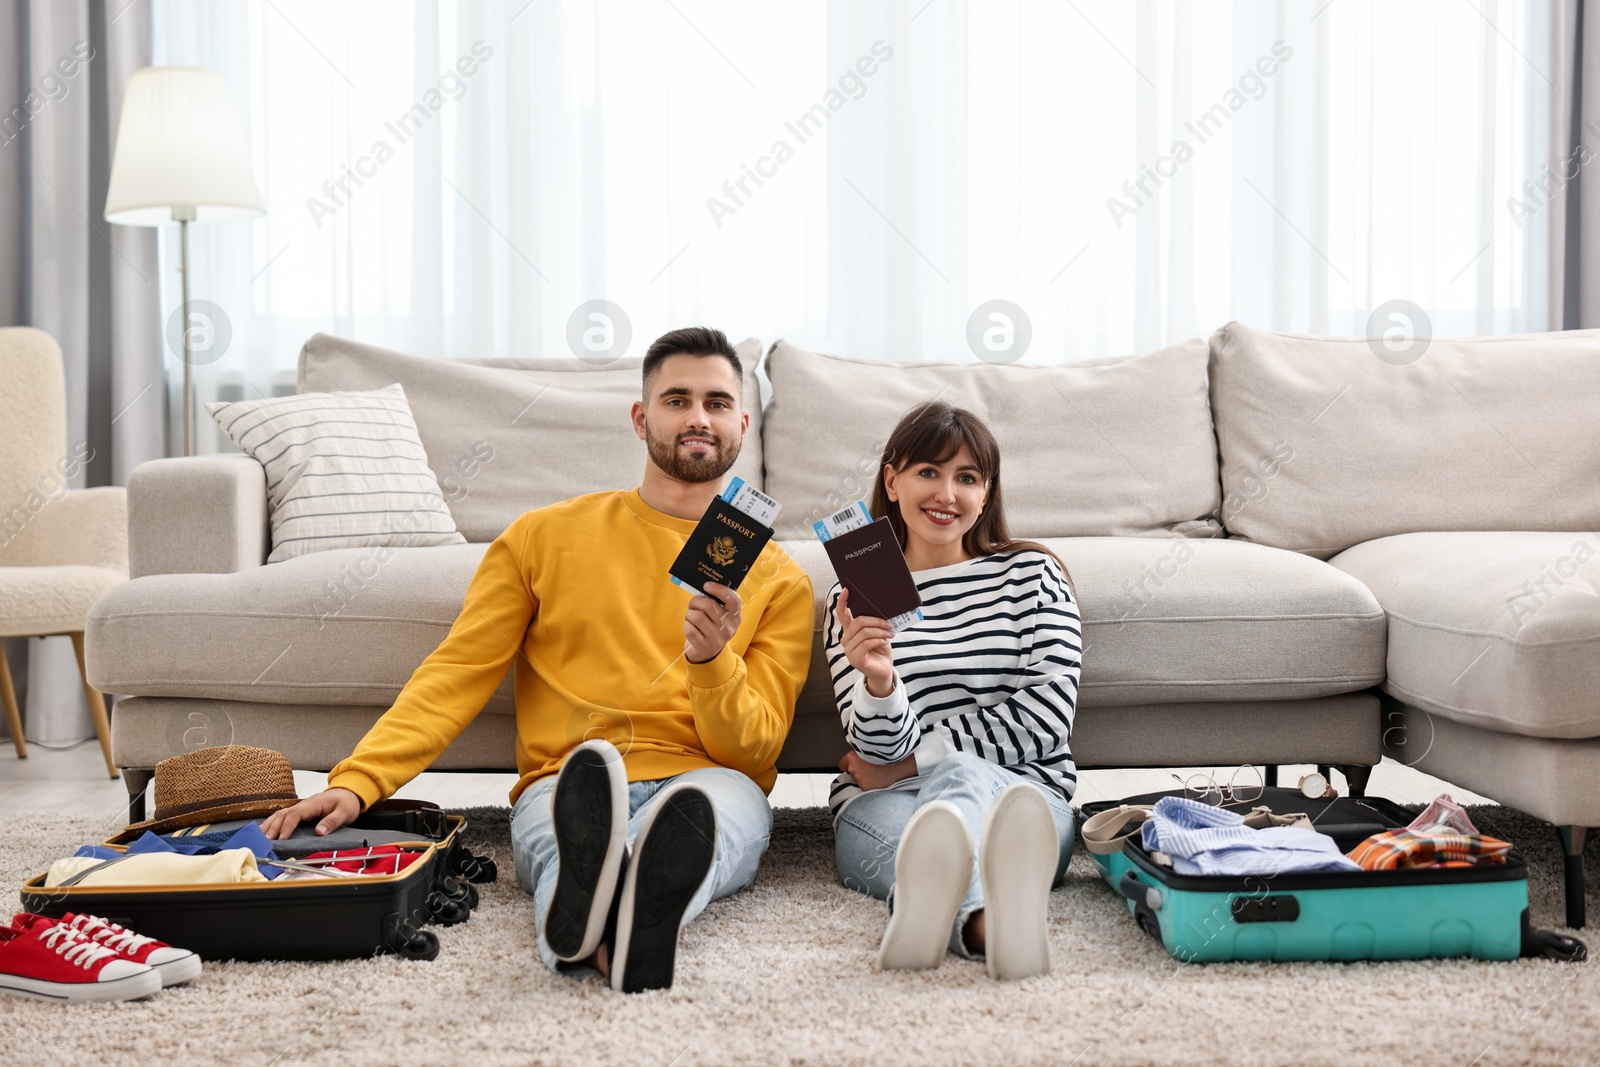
{"points": [[340, 917], [1407, 913]]}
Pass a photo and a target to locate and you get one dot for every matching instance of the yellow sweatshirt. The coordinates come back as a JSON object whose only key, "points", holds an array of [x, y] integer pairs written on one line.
{"points": [[576, 597]]}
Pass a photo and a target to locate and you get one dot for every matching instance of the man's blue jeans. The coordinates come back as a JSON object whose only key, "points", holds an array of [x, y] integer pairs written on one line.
{"points": [[867, 833], [744, 822]]}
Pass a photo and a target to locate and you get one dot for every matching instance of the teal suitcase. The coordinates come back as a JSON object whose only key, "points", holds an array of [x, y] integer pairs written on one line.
{"points": [[1416, 913]]}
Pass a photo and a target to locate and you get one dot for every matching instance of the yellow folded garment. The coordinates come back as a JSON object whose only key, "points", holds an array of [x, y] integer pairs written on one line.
{"points": [[162, 868]]}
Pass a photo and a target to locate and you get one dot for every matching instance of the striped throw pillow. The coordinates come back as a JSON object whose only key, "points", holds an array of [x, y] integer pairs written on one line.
{"points": [[344, 470]]}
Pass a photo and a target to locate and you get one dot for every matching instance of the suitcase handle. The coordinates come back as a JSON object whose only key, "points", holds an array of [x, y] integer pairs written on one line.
{"points": [[1138, 892]]}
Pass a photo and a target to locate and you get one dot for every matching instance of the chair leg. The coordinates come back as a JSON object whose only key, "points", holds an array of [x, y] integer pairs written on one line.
{"points": [[1573, 839], [8, 696], [97, 705]]}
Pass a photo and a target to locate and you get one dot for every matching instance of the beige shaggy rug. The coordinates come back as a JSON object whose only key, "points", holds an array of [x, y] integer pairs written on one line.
{"points": [[784, 973]]}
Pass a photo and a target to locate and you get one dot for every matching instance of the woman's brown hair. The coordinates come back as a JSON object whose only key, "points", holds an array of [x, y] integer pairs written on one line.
{"points": [[933, 432]]}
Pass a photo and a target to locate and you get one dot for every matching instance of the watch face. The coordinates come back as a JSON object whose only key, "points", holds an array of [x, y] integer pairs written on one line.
{"points": [[1313, 785]]}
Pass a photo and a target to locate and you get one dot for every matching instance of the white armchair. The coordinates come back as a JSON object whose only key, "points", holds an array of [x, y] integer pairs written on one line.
{"points": [[59, 549]]}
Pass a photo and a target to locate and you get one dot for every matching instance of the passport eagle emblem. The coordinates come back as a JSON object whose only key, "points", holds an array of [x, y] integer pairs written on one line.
{"points": [[721, 550]]}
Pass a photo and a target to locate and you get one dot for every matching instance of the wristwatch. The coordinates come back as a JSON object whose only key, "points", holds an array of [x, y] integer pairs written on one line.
{"points": [[1314, 786]]}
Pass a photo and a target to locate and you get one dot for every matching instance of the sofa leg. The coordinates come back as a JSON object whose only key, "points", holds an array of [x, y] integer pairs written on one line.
{"points": [[1357, 775], [1269, 775], [1573, 839], [136, 778]]}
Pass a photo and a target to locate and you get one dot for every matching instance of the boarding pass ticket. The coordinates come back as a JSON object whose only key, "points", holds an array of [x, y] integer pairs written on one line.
{"points": [[742, 496], [842, 522]]}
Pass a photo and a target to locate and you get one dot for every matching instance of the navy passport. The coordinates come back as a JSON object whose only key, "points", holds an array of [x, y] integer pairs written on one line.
{"points": [[722, 548]]}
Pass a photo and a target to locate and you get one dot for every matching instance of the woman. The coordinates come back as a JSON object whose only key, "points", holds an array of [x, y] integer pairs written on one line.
{"points": [[954, 803]]}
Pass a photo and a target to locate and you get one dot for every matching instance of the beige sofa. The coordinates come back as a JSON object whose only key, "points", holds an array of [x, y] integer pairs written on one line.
{"points": [[1270, 537]]}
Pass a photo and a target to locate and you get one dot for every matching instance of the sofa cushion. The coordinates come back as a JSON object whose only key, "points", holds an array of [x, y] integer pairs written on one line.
{"points": [[1184, 620], [1495, 629], [508, 435], [1104, 447], [1166, 621], [1324, 445], [347, 626]]}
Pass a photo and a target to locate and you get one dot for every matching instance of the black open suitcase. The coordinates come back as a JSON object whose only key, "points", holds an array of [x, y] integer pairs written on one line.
{"points": [[302, 920]]}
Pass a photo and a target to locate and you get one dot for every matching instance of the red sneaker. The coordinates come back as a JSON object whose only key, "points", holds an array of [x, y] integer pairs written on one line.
{"points": [[175, 965], [46, 960]]}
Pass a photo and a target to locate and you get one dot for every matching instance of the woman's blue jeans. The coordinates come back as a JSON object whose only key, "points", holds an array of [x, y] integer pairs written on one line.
{"points": [[867, 832]]}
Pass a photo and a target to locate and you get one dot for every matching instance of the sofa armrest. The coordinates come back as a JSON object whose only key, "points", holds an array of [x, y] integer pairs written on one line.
{"points": [[85, 528], [197, 515]]}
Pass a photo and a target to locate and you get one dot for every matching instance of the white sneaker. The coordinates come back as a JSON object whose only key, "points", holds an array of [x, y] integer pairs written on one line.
{"points": [[932, 870], [174, 965], [1017, 863], [44, 959]]}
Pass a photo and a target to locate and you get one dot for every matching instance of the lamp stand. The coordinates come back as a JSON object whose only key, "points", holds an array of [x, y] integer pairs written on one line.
{"points": [[183, 216]]}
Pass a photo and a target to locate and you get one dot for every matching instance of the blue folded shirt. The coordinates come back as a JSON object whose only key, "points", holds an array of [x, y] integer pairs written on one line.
{"points": [[249, 836], [1204, 839]]}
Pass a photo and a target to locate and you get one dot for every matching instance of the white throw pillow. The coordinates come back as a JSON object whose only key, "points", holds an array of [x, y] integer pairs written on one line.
{"points": [[344, 470]]}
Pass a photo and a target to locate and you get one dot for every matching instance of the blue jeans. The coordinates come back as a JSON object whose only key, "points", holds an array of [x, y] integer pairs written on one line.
{"points": [[744, 822], [867, 833]]}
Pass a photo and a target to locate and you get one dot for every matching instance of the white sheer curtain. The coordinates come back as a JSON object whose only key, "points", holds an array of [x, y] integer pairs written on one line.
{"points": [[1129, 174]]}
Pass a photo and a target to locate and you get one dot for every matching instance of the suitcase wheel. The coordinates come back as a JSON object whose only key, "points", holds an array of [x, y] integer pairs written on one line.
{"points": [[1550, 945], [1147, 920], [478, 869], [464, 893], [424, 945], [409, 942], [446, 912], [473, 868]]}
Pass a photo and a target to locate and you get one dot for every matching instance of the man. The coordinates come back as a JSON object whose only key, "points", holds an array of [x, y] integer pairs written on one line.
{"points": [[649, 720]]}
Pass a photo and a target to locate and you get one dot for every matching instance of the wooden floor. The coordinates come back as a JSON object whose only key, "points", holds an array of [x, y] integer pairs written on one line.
{"points": [[74, 782]]}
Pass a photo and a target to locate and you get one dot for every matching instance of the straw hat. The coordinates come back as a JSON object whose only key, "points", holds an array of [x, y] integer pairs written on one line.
{"points": [[217, 784]]}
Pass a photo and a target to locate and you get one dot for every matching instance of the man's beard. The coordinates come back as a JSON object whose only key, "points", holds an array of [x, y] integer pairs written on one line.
{"points": [[678, 462]]}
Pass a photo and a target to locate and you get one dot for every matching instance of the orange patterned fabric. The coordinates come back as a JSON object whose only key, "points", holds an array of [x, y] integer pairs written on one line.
{"points": [[1417, 848]]}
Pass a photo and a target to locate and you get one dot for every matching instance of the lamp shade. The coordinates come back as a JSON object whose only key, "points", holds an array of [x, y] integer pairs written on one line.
{"points": [[180, 152]]}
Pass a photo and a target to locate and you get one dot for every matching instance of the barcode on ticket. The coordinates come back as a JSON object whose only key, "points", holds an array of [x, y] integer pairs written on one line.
{"points": [[842, 522], [746, 498]]}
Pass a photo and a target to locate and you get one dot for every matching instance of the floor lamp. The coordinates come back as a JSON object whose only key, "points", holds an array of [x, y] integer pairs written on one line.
{"points": [[180, 157]]}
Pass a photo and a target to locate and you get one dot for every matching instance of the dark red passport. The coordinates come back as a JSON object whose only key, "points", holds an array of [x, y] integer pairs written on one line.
{"points": [[871, 566]]}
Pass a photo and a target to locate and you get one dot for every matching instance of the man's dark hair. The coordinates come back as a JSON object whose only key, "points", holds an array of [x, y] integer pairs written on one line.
{"points": [[691, 341]]}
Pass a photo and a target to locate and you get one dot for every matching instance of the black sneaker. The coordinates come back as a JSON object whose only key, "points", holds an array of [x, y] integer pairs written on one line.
{"points": [[589, 809], [671, 858]]}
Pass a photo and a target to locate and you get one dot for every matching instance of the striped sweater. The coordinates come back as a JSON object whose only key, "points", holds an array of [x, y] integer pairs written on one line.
{"points": [[991, 669]]}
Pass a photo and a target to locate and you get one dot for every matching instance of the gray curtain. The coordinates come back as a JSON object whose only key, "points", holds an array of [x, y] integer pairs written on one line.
{"points": [[1574, 137], [64, 269]]}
